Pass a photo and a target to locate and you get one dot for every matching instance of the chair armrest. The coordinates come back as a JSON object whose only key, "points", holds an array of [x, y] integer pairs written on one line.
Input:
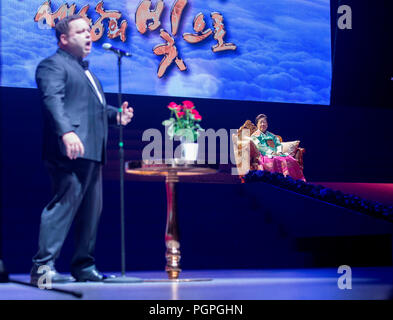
{"points": [[254, 157], [299, 156], [246, 155]]}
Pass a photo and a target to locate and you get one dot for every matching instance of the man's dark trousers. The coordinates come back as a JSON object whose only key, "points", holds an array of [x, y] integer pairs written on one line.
{"points": [[77, 187]]}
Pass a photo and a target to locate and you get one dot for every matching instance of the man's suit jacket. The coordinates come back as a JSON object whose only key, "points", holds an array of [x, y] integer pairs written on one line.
{"points": [[70, 103]]}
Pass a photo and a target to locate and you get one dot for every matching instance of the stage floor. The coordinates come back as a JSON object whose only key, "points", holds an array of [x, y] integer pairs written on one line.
{"points": [[373, 283]]}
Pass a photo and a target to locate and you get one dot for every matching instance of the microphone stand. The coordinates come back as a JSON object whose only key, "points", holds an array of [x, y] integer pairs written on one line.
{"points": [[123, 278]]}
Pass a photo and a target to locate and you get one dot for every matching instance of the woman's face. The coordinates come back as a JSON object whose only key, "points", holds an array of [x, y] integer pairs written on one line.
{"points": [[262, 124]]}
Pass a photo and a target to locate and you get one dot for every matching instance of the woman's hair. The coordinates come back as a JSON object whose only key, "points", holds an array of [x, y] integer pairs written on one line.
{"points": [[259, 117]]}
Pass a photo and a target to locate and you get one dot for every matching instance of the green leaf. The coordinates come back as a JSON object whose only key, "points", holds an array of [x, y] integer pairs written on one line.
{"points": [[171, 131], [198, 127], [168, 122], [188, 134]]}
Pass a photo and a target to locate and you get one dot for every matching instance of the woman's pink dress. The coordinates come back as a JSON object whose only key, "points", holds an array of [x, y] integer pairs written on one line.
{"points": [[267, 143]]}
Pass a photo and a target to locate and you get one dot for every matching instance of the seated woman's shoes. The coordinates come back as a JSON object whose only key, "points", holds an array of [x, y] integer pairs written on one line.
{"points": [[90, 275]]}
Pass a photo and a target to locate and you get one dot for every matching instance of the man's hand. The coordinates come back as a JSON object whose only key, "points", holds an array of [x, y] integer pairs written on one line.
{"points": [[74, 146], [126, 114]]}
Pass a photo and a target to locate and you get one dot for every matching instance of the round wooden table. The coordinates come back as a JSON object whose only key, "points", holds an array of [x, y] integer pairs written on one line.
{"points": [[171, 169]]}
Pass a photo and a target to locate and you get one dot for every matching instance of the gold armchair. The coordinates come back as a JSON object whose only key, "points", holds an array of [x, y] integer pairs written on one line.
{"points": [[247, 155]]}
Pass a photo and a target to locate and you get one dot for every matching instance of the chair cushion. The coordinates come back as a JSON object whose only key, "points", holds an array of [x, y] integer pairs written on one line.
{"points": [[290, 147]]}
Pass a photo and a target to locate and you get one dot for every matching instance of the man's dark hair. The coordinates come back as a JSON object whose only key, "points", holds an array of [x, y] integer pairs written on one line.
{"points": [[63, 25], [259, 117]]}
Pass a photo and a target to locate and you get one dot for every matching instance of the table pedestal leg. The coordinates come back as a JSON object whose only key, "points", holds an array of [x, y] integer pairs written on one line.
{"points": [[172, 243]]}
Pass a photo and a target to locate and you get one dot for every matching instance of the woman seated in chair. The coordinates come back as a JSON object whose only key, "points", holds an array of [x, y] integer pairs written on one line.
{"points": [[272, 158]]}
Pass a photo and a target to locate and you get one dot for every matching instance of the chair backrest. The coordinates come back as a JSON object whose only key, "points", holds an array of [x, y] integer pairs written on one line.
{"points": [[248, 125], [245, 152]]}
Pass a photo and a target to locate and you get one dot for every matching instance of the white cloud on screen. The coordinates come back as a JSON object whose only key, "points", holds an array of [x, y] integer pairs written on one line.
{"points": [[197, 84]]}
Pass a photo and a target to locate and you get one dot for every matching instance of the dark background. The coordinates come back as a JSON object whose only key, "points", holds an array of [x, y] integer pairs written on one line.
{"points": [[348, 141]]}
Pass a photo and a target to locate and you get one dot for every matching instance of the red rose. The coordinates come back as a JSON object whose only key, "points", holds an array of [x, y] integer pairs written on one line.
{"points": [[197, 117], [181, 114], [188, 104], [172, 106], [194, 111]]}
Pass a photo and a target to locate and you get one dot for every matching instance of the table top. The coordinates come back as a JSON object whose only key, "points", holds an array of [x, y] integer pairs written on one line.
{"points": [[169, 166]]}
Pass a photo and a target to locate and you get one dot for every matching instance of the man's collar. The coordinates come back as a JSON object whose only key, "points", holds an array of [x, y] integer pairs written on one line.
{"points": [[67, 54], [83, 63]]}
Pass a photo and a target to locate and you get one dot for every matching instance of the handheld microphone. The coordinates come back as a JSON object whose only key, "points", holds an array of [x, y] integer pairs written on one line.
{"points": [[119, 52]]}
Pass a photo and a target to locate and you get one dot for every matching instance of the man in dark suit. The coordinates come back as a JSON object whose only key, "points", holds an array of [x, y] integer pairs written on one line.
{"points": [[76, 119]]}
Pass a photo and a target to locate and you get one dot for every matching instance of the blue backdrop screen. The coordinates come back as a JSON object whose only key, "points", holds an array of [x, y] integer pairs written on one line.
{"points": [[265, 50]]}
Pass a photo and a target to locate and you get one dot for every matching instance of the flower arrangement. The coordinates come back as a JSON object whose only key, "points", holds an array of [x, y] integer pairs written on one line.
{"points": [[184, 121]]}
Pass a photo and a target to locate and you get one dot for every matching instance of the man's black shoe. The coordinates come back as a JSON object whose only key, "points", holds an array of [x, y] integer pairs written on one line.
{"points": [[90, 275], [48, 274]]}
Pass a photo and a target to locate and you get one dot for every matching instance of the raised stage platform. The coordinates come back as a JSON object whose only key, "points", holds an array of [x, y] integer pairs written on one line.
{"points": [[276, 284]]}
